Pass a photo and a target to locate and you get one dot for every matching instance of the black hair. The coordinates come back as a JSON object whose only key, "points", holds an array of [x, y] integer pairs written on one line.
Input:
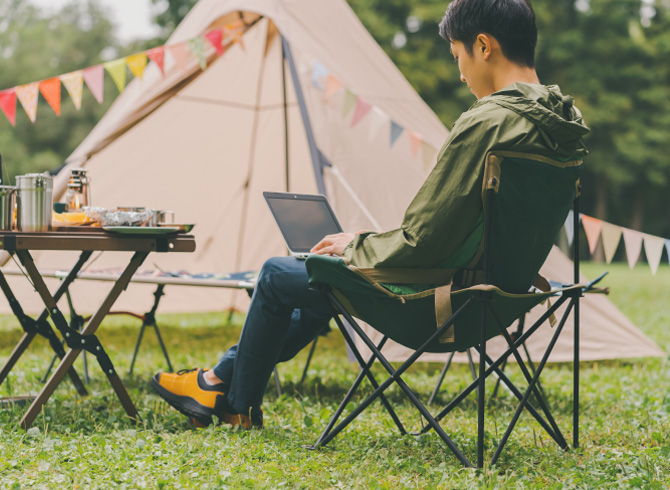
{"points": [[511, 22]]}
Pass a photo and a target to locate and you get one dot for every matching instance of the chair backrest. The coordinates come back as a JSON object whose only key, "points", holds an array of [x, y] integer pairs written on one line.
{"points": [[527, 198]]}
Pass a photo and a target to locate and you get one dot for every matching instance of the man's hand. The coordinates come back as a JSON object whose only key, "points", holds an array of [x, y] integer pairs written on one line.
{"points": [[333, 244]]}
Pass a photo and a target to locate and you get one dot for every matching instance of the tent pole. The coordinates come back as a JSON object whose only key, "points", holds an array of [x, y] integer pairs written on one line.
{"points": [[283, 78], [313, 150]]}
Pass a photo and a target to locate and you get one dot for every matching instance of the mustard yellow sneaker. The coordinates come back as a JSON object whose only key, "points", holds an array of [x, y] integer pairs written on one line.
{"points": [[188, 392], [252, 420]]}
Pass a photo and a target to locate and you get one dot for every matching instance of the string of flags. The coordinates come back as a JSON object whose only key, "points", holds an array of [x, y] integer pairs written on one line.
{"points": [[324, 81], [93, 77], [596, 229]]}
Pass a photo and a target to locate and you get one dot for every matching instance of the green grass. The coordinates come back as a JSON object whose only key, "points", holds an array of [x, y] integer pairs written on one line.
{"points": [[89, 443]]}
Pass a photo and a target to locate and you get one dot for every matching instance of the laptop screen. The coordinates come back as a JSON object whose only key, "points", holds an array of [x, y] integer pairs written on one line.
{"points": [[302, 219]]}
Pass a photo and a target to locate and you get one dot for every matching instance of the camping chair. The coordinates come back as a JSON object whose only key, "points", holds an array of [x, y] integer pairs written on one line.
{"points": [[526, 199]]}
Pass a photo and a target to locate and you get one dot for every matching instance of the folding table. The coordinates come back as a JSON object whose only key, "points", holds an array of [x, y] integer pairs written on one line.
{"points": [[85, 241]]}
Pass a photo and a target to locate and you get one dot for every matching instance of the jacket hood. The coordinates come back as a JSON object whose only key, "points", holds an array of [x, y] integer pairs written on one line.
{"points": [[554, 114]]}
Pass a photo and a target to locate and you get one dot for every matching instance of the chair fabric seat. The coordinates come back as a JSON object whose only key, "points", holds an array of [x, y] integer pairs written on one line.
{"points": [[410, 319]]}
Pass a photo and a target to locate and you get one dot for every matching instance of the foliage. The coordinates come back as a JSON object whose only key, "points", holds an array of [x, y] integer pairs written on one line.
{"points": [[88, 442]]}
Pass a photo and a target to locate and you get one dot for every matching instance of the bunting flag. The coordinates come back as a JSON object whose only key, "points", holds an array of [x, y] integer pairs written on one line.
{"points": [[332, 86], [117, 70], [215, 38], [50, 90], [197, 47], [653, 249], [318, 72], [27, 95], [376, 120], [362, 108], [633, 241], [8, 104], [396, 131], [157, 55], [74, 84], [136, 64], [349, 102], [180, 54], [429, 155], [94, 78], [414, 141], [569, 226], [611, 237], [667, 248], [236, 30], [592, 227]]}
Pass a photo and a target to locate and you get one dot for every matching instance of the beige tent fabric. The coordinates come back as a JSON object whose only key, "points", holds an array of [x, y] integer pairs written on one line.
{"points": [[205, 144]]}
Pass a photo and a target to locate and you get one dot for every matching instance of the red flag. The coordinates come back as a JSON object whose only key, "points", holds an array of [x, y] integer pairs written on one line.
{"points": [[8, 104], [215, 38], [362, 108], [157, 55], [50, 90]]}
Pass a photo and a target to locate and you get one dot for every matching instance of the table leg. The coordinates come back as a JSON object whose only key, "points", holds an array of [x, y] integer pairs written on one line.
{"points": [[86, 337], [41, 326]]}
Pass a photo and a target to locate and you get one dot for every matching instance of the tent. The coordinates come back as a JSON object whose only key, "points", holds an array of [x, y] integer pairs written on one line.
{"points": [[306, 102]]}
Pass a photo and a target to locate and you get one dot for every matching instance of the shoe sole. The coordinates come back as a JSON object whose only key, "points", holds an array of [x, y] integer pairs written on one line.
{"points": [[184, 404]]}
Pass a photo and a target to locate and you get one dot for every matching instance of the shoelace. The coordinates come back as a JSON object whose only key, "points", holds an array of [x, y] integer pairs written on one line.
{"points": [[186, 371]]}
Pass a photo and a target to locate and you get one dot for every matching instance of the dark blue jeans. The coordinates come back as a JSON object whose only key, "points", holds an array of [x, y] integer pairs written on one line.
{"points": [[284, 316]]}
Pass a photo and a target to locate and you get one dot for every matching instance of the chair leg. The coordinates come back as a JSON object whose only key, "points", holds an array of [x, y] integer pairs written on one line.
{"points": [[442, 375], [348, 396], [395, 377], [309, 360], [481, 395], [529, 390], [538, 395]]}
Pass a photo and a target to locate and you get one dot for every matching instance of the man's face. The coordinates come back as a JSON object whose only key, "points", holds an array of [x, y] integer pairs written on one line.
{"points": [[472, 67]]}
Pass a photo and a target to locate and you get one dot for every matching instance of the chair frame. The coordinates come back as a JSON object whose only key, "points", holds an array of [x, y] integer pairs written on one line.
{"points": [[487, 366]]}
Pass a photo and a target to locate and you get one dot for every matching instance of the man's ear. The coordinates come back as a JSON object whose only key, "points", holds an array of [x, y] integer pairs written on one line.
{"points": [[484, 43]]}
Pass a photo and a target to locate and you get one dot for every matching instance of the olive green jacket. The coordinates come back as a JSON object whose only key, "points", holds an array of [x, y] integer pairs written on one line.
{"points": [[443, 225]]}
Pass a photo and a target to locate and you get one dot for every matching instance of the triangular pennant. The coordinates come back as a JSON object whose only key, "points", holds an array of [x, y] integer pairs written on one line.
{"points": [[215, 38], [349, 102], [157, 55], [414, 141], [236, 30], [633, 241], [569, 226], [611, 237], [592, 227], [74, 84], [653, 249], [8, 104], [362, 108], [28, 94], [197, 46], [429, 155], [117, 70], [136, 64], [332, 85], [376, 120], [50, 90], [667, 248], [318, 72], [396, 131], [94, 78], [180, 53]]}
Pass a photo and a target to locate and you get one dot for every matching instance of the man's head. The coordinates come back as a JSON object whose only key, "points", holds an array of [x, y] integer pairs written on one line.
{"points": [[485, 33]]}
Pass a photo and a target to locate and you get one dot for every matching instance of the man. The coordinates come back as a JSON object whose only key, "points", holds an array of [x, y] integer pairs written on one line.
{"points": [[493, 42]]}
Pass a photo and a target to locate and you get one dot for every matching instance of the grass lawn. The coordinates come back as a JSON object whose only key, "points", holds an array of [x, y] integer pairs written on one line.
{"points": [[89, 443]]}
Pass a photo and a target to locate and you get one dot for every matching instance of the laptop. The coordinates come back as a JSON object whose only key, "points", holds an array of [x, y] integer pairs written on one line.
{"points": [[303, 220]]}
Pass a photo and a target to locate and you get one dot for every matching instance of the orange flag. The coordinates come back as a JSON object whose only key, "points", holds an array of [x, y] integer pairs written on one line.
{"points": [[50, 90], [332, 86], [592, 227]]}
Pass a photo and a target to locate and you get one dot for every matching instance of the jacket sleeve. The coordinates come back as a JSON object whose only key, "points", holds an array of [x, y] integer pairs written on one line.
{"points": [[447, 206]]}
